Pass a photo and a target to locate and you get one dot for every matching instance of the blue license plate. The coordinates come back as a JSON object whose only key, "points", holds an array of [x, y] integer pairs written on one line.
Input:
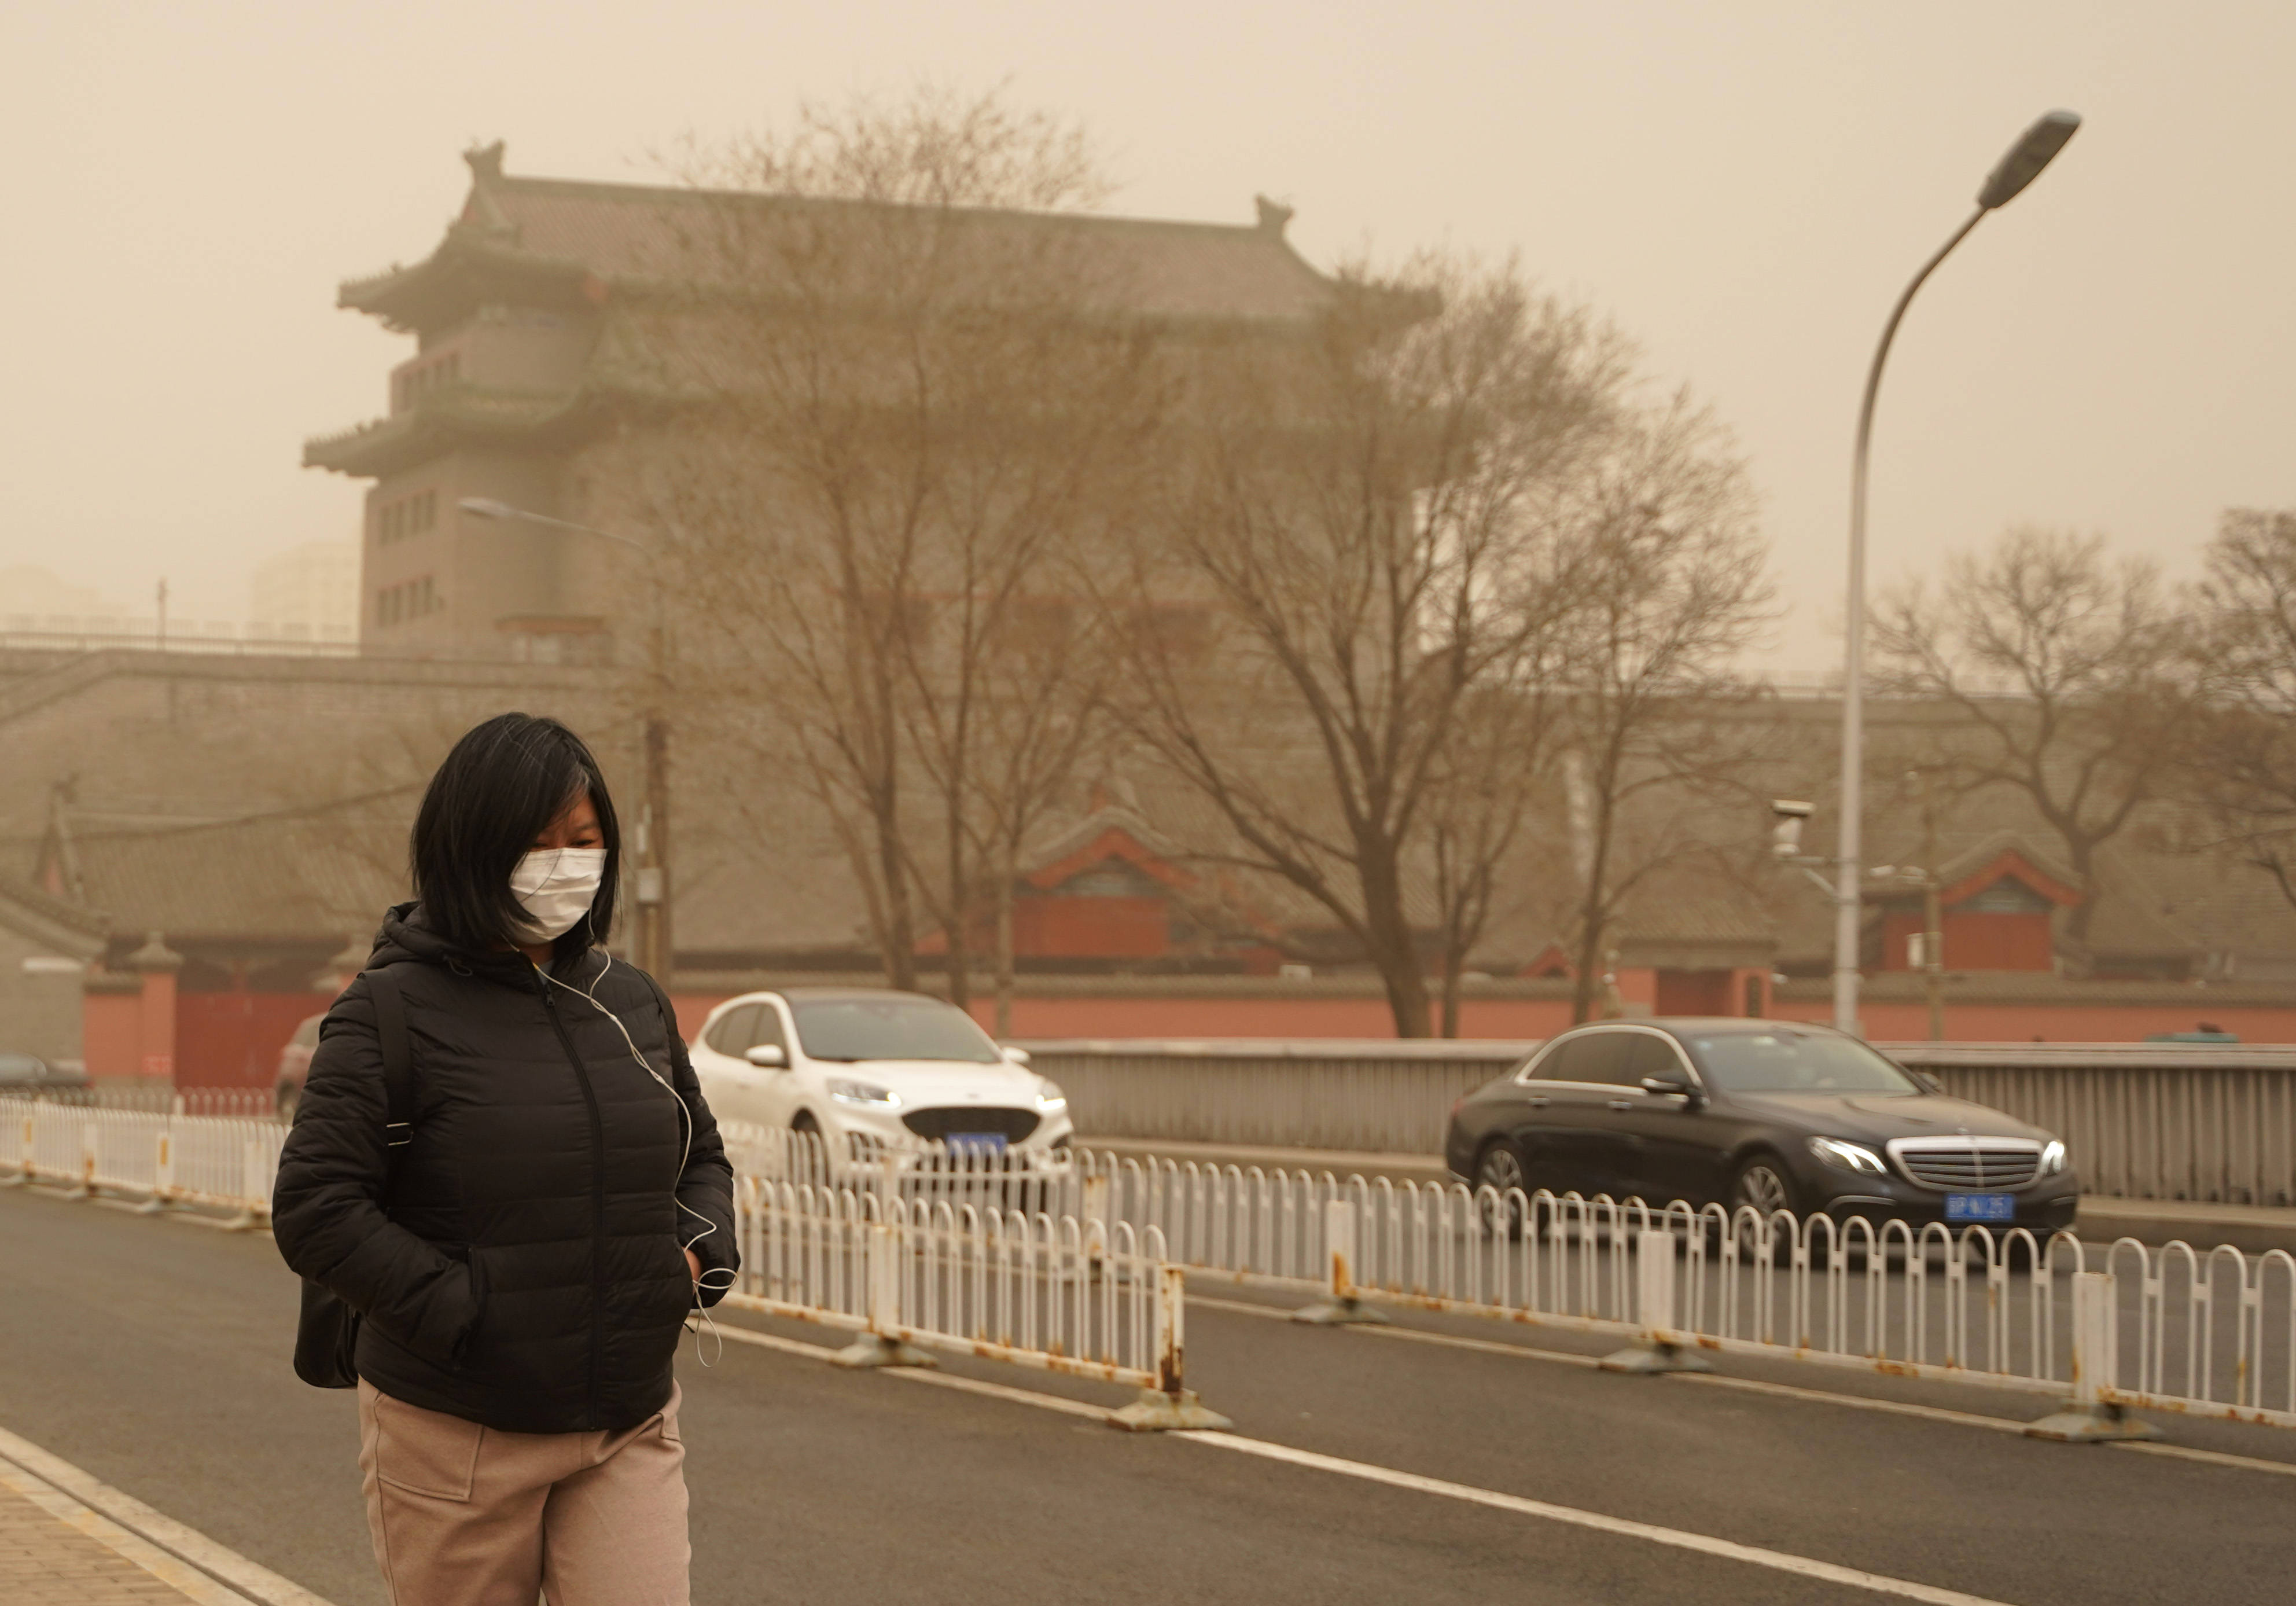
{"points": [[1981, 1207], [978, 1142]]}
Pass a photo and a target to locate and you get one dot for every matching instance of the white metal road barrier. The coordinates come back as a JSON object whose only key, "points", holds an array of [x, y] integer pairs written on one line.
{"points": [[2113, 1326], [166, 1160], [961, 1249]]}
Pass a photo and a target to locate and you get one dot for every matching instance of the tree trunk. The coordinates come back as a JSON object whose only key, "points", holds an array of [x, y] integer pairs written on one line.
{"points": [[1584, 986], [1005, 951], [959, 965], [1387, 929], [900, 955], [2082, 860], [1454, 962]]}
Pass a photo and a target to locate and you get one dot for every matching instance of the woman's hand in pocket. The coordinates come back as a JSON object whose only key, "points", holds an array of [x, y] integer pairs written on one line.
{"points": [[693, 1266]]}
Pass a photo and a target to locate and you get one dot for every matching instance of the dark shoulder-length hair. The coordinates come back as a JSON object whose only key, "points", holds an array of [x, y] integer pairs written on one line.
{"points": [[504, 783]]}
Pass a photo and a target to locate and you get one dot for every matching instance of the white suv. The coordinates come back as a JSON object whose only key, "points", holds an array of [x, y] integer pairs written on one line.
{"points": [[875, 1071]]}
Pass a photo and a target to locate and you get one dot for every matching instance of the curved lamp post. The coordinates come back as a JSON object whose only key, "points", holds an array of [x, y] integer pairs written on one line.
{"points": [[654, 936], [2023, 164]]}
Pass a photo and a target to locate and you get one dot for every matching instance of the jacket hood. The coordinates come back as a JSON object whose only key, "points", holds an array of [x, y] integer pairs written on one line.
{"points": [[406, 935]]}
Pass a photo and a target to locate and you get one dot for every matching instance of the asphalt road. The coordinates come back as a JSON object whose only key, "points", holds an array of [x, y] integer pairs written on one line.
{"points": [[153, 1355]]}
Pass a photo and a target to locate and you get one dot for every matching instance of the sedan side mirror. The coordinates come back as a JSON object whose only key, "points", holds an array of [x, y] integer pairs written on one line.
{"points": [[1016, 1056], [770, 1056], [1671, 1084]]}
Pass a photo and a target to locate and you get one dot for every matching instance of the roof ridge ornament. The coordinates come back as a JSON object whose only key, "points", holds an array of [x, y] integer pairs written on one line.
{"points": [[1273, 216], [485, 161]]}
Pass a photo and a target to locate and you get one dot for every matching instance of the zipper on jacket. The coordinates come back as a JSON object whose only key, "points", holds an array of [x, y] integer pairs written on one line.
{"points": [[597, 1200]]}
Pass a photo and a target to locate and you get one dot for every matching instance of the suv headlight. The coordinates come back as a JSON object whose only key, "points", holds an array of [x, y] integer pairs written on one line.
{"points": [[1847, 1156], [1050, 1098], [864, 1092], [2052, 1156]]}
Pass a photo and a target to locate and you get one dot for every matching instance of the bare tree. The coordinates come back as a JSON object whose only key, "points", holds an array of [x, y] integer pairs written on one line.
{"points": [[2242, 742], [2063, 665], [1484, 798], [1353, 562], [903, 388], [1671, 588]]}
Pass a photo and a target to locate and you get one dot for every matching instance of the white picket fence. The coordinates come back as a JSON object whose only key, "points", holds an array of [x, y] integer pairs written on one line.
{"points": [[1075, 1264], [2205, 1333], [220, 1161], [959, 1250]]}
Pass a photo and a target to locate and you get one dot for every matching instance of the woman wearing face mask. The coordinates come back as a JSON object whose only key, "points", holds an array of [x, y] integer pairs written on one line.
{"points": [[523, 1262]]}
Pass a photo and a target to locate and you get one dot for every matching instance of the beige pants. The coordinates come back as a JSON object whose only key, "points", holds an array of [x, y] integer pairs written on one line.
{"points": [[463, 1515]]}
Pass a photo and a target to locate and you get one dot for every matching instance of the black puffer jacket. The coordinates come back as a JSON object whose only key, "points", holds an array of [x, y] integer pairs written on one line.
{"points": [[525, 1271]]}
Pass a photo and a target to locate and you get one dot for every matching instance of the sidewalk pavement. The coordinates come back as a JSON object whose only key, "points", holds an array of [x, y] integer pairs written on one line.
{"points": [[2254, 1229], [58, 1549]]}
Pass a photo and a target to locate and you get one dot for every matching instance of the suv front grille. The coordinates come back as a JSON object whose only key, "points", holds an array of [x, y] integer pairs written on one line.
{"points": [[968, 1120], [1966, 1165]]}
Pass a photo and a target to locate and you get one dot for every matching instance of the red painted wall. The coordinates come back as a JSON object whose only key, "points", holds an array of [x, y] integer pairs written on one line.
{"points": [[1696, 993], [1515, 1018], [1975, 942], [233, 1040], [111, 1036], [1100, 928]]}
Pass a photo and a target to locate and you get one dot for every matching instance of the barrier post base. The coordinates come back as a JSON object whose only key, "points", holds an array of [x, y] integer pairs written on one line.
{"points": [[153, 1206], [1655, 1358], [872, 1350], [246, 1221], [2097, 1424], [1156, 1412], [16, 1179], [1345, 1312]]}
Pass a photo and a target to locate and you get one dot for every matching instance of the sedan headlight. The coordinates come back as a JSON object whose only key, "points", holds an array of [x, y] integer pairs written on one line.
{"points": [[2052, 1156], [1050, 1098], [1847, 1156], [865, 1093]]}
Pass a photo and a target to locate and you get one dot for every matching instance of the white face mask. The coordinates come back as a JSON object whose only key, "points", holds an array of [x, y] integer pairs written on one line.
{"points": [[557, 886]]}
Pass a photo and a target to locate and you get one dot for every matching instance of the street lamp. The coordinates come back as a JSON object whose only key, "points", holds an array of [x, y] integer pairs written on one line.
{"points": [[654, 937], [2015, 170]]}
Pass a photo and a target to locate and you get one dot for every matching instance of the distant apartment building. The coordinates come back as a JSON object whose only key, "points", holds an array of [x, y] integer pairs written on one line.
{"points": [[528, 385], [33, 598], [310, 590]]}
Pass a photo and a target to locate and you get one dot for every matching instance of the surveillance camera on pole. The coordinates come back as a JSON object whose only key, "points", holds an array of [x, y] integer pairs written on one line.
{"points": [[1786, 836]]}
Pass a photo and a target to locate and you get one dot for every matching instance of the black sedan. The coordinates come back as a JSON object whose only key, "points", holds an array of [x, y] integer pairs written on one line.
{"points": [[1775, 1115]]}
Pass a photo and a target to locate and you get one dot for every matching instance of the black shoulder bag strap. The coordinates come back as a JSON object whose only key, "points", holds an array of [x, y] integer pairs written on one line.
{"points": [[668, 1015], [326, 1332], [398, 1066]]}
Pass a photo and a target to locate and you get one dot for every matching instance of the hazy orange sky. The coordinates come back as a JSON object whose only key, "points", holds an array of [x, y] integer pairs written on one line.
{"points": [[1744, 187]]}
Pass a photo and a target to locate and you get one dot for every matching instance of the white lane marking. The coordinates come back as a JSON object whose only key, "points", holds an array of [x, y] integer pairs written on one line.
{"points": [[921, 1374], [2215, 1458], [1747, 1385], [1777, 1560], [162, 1533], [1003, 1391], [768, 1341], [1676, 1538]]}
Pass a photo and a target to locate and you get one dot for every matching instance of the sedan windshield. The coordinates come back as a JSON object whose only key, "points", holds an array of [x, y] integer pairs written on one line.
{"points": [[848, 1030], [1792, 1061]]}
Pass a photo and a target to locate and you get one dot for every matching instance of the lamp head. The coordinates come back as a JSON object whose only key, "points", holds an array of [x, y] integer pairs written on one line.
{"points": [[1786, 836], [2033, 150], [487, 507]]}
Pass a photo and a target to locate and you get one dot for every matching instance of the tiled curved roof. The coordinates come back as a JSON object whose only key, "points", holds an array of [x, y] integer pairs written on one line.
{"points": [[645, 232]]}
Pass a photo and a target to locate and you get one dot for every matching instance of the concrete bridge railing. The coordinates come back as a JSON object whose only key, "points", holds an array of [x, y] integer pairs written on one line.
{"points": [[2143, 1120]]}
